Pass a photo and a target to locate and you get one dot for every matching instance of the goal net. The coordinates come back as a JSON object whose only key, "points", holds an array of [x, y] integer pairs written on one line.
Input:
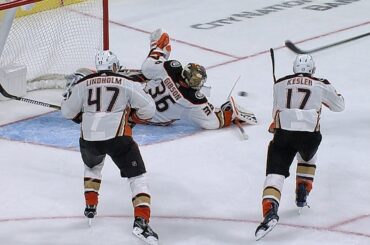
{"points": [[52, 38]]}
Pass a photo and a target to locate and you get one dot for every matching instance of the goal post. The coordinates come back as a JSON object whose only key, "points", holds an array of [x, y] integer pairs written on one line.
{"points": [[47, 39]]}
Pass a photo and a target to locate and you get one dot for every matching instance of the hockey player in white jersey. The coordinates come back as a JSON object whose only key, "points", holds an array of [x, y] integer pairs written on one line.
{"points": [[298, 101], [104, 102], [176, 90]]}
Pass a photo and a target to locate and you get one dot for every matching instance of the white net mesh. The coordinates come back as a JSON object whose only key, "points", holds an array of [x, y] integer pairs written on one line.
{"points": [[55, 41]]}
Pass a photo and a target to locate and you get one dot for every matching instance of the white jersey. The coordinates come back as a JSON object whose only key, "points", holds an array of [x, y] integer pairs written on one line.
{"points": [[174, 99], [298, 100], [105, 100]]}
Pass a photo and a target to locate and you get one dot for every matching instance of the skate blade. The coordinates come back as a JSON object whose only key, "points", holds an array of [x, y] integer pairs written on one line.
{"points": [[89, 220], [301, 208], [262, 233], [150, 240]]}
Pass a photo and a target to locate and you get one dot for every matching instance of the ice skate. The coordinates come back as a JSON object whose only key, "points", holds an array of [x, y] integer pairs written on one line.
{"points": [[301, 197], [143, 231], [270, 221], [90, 212]]}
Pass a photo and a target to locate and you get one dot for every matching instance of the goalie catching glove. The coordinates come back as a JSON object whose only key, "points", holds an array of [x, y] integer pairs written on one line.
{"points": [[160, 44]]}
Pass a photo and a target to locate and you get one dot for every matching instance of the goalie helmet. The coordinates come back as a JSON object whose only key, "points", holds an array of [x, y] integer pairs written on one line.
{"points": [[106, 60], [194, 75], [304, 64]]}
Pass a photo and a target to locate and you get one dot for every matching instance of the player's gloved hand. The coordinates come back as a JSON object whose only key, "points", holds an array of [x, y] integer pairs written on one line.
{"points": [[135, 119], [272, 127], [131, 118], [78, 118], [160, 44]]}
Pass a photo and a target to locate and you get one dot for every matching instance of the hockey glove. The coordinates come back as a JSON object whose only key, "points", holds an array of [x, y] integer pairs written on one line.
{"points": [[78, 118], [160, 44], [272, 127], [134, 119]]}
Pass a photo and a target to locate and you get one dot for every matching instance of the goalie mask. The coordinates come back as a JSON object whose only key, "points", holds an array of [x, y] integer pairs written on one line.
{"points": [[304, 64], [106, 60], [194, 75]]}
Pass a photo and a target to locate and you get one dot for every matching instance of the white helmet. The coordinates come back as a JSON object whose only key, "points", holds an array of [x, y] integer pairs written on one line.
{"points": [[105, 60], [304, 64]]}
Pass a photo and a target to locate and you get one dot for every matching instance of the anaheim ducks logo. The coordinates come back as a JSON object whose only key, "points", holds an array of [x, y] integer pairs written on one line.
{"points": [[175, 63], [199, 95]]}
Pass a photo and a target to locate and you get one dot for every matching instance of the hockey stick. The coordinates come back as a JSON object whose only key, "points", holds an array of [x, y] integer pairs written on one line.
{"points": [[7, 95], [236, 121], [232, 89], [273, 63], [297, 50], [241, 129]]}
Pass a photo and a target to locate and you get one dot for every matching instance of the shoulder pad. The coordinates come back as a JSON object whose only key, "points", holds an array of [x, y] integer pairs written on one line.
{"points": [[194, 96], [323, 80], [172, 66], [285, 78]]}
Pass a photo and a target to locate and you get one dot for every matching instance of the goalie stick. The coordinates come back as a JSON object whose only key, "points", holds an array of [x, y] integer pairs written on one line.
{"points": [[290, 45], [236, 121], [35, 102], [232, 89]]}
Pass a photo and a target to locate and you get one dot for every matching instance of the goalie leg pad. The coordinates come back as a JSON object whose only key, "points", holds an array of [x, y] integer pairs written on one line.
{"points": [[160, 44]]}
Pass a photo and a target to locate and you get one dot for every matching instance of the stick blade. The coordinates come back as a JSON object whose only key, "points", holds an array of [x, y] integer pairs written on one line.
{"points": [[290, 45]]}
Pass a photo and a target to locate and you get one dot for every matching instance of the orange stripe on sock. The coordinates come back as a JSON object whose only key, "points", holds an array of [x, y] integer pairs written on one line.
{"points": [[91, 198], [142, 211]]}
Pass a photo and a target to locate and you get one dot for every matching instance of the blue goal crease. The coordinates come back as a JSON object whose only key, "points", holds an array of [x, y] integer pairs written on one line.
{"points": [[53, 130]]}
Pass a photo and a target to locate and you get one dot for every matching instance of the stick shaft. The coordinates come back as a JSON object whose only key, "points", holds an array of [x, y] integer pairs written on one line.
{"points": [[35, 102], [232, 89], [297, 50], [241, 129]]}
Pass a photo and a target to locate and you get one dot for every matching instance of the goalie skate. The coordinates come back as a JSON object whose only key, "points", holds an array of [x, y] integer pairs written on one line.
{"points": [[144, 232]]}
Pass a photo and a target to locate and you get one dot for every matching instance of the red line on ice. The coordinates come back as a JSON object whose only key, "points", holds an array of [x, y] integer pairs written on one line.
{"points": [[331, 228]]}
